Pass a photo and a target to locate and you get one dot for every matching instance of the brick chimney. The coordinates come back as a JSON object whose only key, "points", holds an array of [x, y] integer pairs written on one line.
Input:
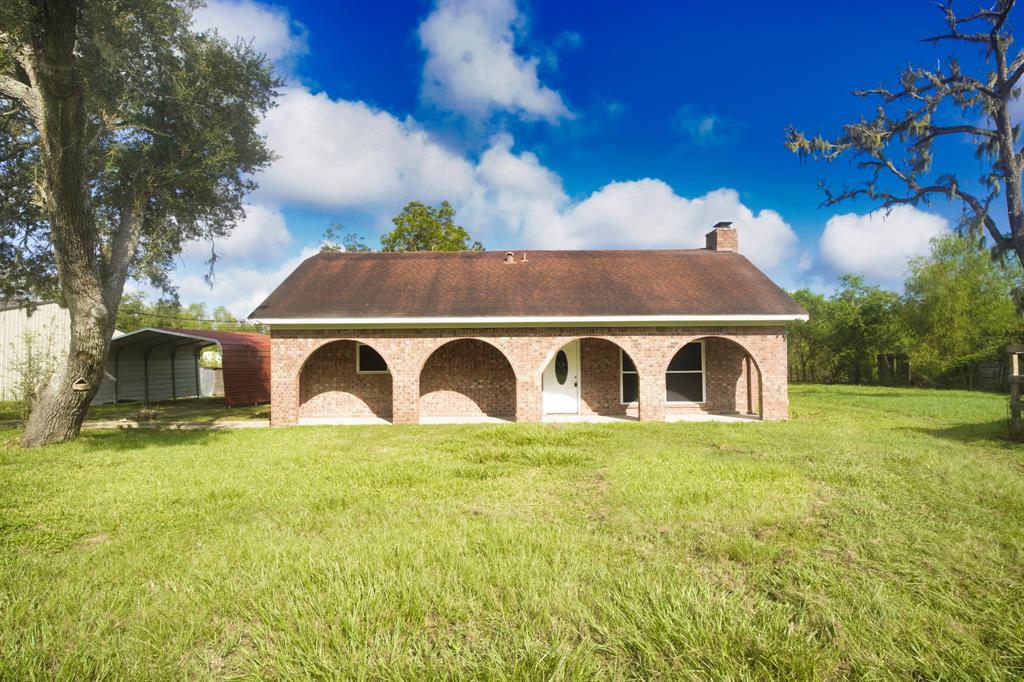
{"points": [[723, 238]]}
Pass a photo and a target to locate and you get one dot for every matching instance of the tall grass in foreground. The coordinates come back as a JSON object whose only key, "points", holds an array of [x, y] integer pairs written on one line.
{"points": [[878, 534]]}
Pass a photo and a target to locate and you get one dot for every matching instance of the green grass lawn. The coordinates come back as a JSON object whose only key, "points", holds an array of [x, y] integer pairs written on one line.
{"points": [[878, 534], [192, 410]]}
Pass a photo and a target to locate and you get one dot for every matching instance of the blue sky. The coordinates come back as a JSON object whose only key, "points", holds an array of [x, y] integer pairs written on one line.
{"points": [[571, 125]]}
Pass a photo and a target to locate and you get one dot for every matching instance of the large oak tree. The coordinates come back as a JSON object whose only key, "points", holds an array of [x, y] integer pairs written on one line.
{"points": [[896, 148], [123, 135]]}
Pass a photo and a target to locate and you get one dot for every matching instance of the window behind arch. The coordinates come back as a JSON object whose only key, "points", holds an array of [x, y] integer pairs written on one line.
{"points": [[629, 385], [369, 361], [684, 380]]}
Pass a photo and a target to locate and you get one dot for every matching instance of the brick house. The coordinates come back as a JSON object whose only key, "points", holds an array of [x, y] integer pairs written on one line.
{"points": [[529, 336]]}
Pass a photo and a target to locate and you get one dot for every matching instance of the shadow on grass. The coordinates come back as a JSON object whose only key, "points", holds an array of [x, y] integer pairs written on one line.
{"points": [[196, 410], [995, 432], [121, 440], [849, 391]]}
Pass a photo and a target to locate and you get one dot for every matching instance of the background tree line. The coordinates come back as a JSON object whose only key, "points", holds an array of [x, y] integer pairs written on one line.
{"points": [[956, 311], [138, 312]]}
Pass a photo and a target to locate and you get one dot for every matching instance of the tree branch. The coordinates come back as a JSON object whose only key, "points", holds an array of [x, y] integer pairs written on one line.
{"points": [[956, 35], [918, 194], [123, 244], [938, 131], [28, 96], [995, 17], [1017, 70], [960, 82]]}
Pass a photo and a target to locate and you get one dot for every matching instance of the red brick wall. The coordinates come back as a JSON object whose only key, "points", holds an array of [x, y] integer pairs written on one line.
{"points": [[527, 351], [330, 387], [725, 376], [467, 378], [599, 377]]}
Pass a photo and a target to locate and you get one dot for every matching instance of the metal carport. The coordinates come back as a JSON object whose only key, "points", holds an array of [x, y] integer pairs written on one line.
{"points": [[163, 364]]}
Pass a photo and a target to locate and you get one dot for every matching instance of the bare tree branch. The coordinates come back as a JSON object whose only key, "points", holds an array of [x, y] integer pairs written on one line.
{"points": [[939, 131], [1017, 70], [956, 35], [955, 84], [949, 188], [896, 151]]}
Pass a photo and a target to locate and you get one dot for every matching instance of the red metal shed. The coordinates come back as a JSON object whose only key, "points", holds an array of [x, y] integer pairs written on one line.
{"points": [[245, 359]]}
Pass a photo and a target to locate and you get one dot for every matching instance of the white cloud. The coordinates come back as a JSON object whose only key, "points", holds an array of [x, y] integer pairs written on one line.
{"points": [[344, 155], [877, 245], [647, 213], [506, 199], [260, 236], [269, 28], [515, 199], [704, 128], [472, 65], [240, 289], [519, 201], [338, 153]]}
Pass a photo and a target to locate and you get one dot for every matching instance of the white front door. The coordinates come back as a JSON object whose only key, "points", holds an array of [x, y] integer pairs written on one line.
{"points": [[561, 381]]}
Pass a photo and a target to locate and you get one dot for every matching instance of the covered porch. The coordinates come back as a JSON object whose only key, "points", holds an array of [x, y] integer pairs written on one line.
{"points": [[706, 379], [588, 379]]}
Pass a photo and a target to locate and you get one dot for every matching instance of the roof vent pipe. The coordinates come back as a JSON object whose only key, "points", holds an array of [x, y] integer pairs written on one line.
{"points": [[510, 257]]}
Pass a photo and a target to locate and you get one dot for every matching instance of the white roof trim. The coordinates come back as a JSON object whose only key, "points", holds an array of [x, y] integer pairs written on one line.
{"points": [[581, 321]]}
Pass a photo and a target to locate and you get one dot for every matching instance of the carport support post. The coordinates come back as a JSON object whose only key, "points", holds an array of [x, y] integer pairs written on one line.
{"points": [[117, 374], [1016, 381], [145, 373], [174, 382], [199, 393]]}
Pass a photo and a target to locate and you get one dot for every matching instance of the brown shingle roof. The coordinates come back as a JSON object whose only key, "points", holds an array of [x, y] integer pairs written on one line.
{"points": [[548, 284]]}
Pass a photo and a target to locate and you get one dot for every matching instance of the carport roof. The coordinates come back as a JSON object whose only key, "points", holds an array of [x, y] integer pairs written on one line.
{"points": [[160, 336], [151, 337]]}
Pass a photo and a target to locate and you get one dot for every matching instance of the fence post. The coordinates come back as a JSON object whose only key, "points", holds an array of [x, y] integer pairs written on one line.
{"points": [[1016, 380]]}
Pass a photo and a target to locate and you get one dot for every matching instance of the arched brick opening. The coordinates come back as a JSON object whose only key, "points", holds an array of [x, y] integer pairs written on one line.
{"points": [[334, 385], [731, 377], [467, 378], [609, 377]]}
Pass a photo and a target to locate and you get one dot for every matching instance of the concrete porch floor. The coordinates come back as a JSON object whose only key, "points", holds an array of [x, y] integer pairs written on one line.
{"points": [[482, 419], [343, 421], [585, 419], [604, 419], [547, 419], [705, 417]]}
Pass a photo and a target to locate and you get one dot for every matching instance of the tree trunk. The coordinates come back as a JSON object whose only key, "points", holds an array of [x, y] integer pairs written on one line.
{"points": [[1008, 163], [59, 411], [61, 120]]}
